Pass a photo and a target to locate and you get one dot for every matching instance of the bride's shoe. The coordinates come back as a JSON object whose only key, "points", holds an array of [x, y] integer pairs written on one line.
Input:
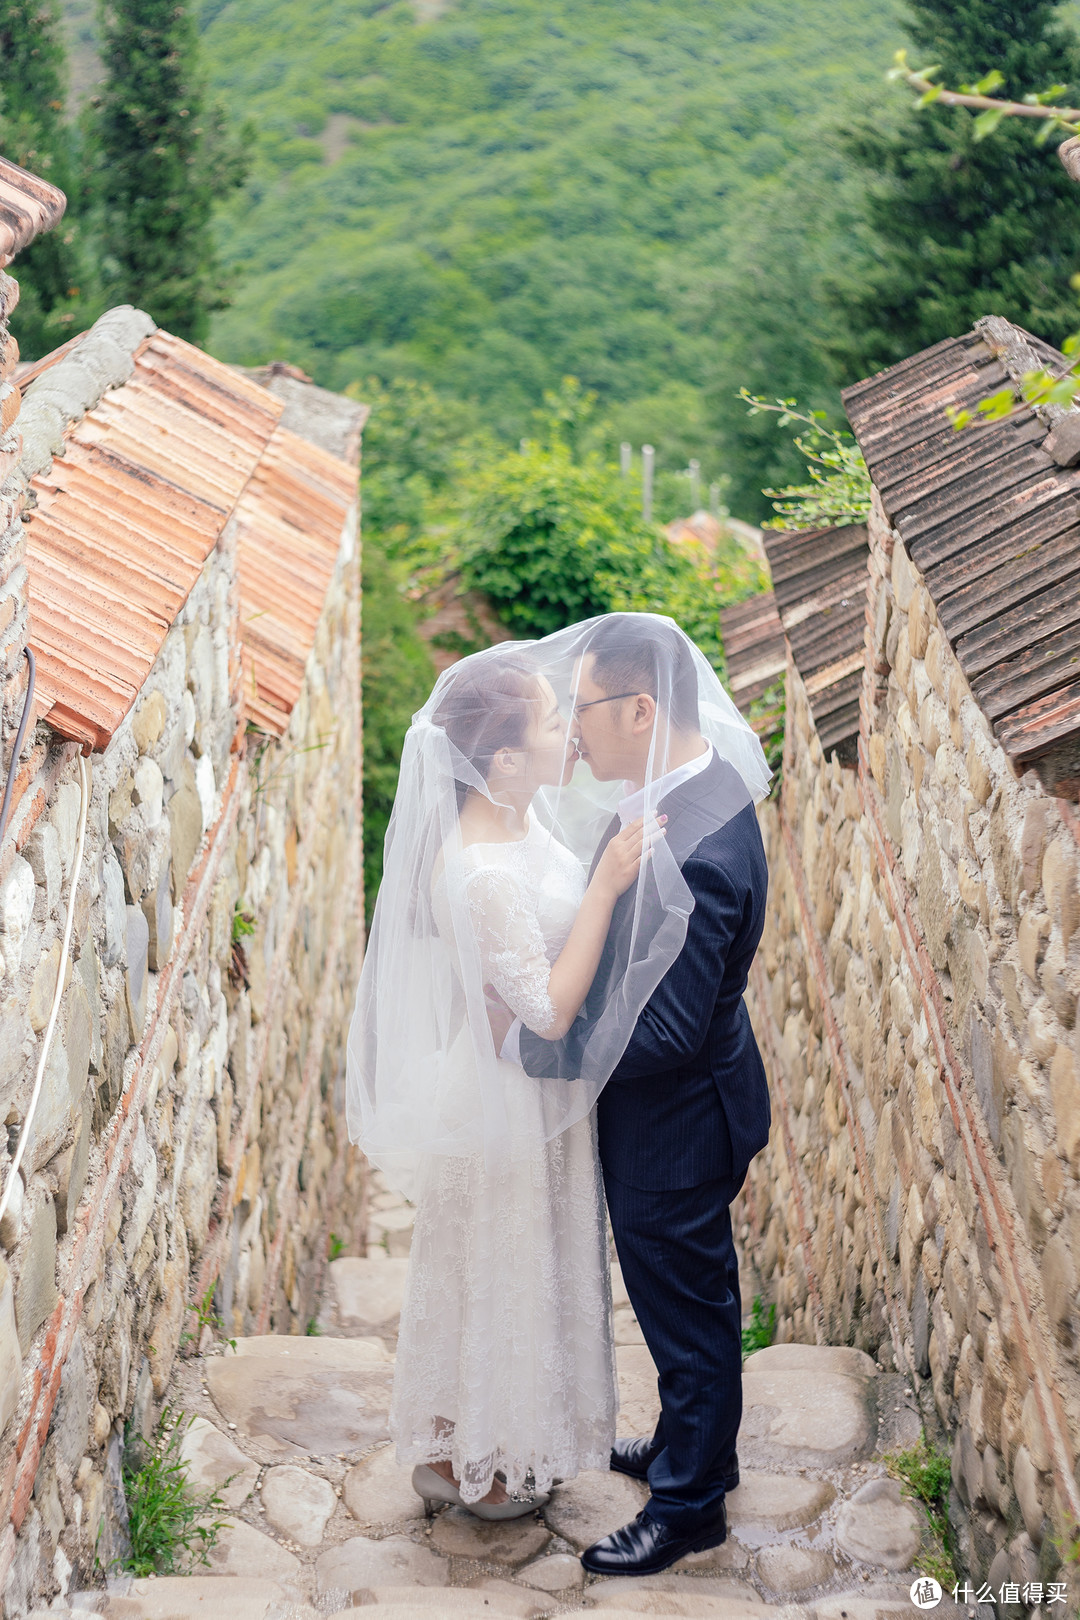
{"points": [[433, 1490]]}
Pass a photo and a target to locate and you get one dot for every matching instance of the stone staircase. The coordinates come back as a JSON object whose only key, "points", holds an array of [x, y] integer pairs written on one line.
{"points": [[321, 1519]]}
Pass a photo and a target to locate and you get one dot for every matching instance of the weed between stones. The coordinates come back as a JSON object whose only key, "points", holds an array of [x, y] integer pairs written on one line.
{"points": [[207, 1316], [761, 1330], [927, 1474], [167, 1520]]}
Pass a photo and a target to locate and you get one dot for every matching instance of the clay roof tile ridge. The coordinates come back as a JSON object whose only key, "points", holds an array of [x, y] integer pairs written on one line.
{"points": [[103, 359]]}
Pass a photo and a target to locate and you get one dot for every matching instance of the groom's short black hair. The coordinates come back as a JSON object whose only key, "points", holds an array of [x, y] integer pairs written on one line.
{"points": [[634, 653]]}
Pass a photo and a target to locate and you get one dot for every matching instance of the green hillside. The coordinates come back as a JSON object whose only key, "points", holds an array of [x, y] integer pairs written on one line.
{"points": [[634, 192]]}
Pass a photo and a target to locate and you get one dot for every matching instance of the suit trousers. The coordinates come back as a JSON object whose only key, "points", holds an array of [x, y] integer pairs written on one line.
{"points": [[681, 1273]]}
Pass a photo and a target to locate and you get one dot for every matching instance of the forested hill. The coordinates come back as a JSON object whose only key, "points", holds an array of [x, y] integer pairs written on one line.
{"points": [[645, 194]]}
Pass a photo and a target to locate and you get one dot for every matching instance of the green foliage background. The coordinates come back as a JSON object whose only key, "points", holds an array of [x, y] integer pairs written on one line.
{"points": [[664, 198], [956, 227], [454, 205], [548, 532], [159, 153], [644, 194], [35, 134]]}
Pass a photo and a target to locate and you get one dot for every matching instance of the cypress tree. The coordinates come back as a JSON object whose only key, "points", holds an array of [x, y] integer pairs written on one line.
{"points": [[33, 133], [960, 227], [164, 156]]}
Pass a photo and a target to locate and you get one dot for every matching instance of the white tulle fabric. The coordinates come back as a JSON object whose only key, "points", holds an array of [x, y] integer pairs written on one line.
{"points": [[504, 1356], [424, 1073]]}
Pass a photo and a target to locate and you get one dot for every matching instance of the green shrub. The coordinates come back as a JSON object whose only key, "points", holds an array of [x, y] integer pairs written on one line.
{"points": [[767, 715], [552, 536]]}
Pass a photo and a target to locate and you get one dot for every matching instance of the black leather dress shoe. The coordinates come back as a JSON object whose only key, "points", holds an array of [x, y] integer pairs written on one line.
{"points": [[634, 1457], [645, 1547]]}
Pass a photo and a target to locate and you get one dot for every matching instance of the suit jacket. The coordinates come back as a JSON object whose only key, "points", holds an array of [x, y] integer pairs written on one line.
{"points": [[688, 1100]]}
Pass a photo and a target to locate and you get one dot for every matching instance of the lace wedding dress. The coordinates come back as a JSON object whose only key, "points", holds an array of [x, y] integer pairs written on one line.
{"points": [[505, 1357]]}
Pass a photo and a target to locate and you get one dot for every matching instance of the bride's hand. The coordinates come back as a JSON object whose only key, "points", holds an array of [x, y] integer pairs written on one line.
{"points": [[620, 863]]}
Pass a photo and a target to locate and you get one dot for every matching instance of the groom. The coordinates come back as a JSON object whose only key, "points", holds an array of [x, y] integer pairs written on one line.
{"points": [[687, 1106]]}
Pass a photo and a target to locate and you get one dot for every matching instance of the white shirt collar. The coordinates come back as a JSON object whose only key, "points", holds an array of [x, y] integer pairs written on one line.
{"points": [[634, 805]]}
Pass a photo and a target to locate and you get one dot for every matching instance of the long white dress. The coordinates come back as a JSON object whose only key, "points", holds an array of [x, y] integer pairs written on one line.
{"points": [[505, 1356]]}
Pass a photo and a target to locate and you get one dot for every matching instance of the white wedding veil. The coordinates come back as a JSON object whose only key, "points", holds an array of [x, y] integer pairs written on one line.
{"points": [[424, 1071]]}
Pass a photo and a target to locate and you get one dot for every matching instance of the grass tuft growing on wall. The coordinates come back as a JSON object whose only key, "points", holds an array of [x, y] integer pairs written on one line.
{"points": [[171, 1525], [926, 1474], [762, 1330]]}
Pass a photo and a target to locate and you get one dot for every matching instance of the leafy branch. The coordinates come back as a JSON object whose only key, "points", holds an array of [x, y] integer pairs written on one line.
{"points": [[1040, 387], [1035, 388], [990, 109], [839, 487]]}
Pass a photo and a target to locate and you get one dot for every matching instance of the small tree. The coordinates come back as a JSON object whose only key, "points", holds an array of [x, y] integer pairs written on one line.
{"points": [[164, 156], [962, 228], [33, 133]]}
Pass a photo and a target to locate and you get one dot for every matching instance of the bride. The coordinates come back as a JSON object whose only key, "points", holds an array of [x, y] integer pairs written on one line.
{"points": [[489, 913]]}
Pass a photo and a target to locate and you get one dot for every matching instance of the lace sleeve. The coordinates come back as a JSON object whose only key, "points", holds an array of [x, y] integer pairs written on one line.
{"points": [[503, 918]]}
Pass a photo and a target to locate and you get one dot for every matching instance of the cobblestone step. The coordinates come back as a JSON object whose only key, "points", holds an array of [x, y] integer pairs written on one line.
{"points": [[321, 1519], [201, 1597]]}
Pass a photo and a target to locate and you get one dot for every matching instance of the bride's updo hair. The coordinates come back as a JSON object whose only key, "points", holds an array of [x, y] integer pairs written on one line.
{"points": [[488, 707]]}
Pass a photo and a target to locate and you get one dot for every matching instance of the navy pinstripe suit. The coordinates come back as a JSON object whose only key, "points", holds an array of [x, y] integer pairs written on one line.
{"points": [[684, 1112]]}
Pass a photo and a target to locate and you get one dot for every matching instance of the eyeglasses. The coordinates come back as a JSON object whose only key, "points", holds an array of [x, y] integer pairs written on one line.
{"points": [[616, 697]]}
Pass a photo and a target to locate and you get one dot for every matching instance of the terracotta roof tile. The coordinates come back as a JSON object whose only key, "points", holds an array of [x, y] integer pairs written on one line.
{"points": [[28, 206], [993, 523], [125, 519], [820, 579], [290, 520], [755, 652]]}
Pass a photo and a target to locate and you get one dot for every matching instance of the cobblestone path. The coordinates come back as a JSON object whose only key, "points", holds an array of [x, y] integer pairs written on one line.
{"points": [[321, 1519]]}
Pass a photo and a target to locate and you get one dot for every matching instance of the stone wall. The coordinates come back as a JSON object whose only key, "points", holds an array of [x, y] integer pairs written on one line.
{"points": [[190, 1136], [915, 999], [12, 570], [29, 206]]}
